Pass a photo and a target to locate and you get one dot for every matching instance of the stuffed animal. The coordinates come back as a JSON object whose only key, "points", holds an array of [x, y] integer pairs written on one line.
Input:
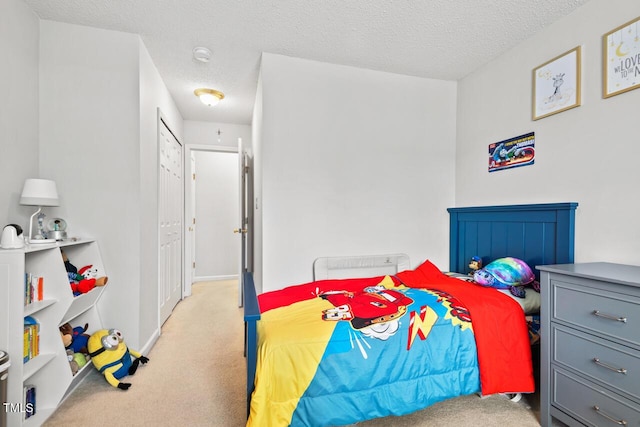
{"points": [[72, 363], [88, 272], [112, 358], [66, 338], [81, 359], [81, 284], [78, 337], [475, 264], [76, 361], [507, 273]]}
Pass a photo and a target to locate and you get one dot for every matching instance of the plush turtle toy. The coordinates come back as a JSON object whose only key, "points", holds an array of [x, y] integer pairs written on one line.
{"points": [[111, 356], [507, 273]]}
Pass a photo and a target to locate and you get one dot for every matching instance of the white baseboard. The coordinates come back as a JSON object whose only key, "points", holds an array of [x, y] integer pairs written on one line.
{"points": [[215, 278], [150, 343]]}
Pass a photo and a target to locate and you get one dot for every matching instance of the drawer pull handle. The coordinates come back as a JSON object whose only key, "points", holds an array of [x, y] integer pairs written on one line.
{"points": [[608, 316], [609, 417], [613, 368]]}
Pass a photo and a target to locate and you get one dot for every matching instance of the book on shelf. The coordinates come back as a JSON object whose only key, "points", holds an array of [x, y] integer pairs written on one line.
{"points": [[33, 288], [29, 400], [40, 292], [31, 338]]}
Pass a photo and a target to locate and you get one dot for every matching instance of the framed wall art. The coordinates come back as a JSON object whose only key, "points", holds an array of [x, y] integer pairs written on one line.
{"points": [[621, 59], [512, 152], [556, 84]]}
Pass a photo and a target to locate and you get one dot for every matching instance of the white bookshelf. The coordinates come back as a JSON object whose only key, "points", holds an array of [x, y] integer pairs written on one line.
{"points": [[49, 371]]}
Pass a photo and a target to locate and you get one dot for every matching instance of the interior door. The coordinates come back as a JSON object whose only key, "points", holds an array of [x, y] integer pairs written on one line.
{"points": [[249, 212], [170, 202], [192, 226], [242, 182]]}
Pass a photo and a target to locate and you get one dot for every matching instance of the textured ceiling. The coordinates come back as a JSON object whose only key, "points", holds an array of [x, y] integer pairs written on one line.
{"points": [[442, 39]]}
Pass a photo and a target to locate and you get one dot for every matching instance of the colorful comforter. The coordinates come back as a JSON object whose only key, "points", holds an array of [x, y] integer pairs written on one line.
{"points": [[335, 352]]}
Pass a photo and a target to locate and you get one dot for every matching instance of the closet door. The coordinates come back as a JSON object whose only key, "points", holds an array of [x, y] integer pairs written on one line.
{"points": [[170, 221]]}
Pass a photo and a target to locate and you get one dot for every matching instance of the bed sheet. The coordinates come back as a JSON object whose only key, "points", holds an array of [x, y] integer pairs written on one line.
{"points": [[530, 303], [335, 352]]}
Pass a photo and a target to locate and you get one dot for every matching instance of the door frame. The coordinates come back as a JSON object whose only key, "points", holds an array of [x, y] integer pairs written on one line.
{"points": [[245, 170], [189, 256]]}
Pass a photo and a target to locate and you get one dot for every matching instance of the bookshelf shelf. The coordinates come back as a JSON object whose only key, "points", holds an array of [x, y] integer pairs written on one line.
{"points": [[48, 368], [35, 364], [39, 417], [36, 306], [82, 303]]}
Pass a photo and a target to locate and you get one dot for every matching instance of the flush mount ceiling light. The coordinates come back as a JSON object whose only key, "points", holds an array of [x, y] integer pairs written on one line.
{"points": [[201, 54], [209, 97]]}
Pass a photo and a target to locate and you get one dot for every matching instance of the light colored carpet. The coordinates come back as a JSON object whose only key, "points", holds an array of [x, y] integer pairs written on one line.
{"points": [[196, 377], [491, 411]]}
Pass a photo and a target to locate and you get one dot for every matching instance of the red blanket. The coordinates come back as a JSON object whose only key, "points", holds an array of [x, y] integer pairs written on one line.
{"points": [[504, 352]]}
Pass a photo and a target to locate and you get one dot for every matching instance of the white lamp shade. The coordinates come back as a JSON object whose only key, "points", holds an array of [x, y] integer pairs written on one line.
{"points": [[208, 96], [39, 192], [208, 99]]}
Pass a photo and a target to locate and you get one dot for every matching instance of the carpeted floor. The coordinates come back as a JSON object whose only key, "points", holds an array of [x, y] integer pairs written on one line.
{"points": [[196, 377]]}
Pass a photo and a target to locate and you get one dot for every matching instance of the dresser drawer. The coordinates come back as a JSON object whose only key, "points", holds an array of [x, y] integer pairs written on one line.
{"points": [[616, 365], [609, 313], [580, 398]]}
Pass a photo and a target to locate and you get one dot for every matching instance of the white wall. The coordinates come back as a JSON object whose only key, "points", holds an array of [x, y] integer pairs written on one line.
{"points": [[154, 98], [89, 139], [588, 154], [256, 145], [99, 94], [206, 133], [18, 108], [353, 162]]}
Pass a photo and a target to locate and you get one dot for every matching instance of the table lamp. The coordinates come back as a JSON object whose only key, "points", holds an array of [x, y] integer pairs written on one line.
{"points": [[38, 192]]}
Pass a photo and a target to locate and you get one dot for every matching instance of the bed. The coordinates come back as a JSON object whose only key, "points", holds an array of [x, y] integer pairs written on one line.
{"points": [[362, 364]]}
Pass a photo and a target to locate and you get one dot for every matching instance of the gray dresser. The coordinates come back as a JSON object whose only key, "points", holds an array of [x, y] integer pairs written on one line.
{"points": [[590, 344]]}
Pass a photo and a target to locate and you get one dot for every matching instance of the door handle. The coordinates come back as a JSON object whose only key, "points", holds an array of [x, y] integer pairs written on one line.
{"points": [[240, 230]]}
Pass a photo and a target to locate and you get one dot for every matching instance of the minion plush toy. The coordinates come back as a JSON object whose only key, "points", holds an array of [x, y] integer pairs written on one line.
{"points": [[111, 356]]}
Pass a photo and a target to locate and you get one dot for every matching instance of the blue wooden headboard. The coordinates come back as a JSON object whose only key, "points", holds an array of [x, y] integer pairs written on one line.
{"points": [[538, 234]]}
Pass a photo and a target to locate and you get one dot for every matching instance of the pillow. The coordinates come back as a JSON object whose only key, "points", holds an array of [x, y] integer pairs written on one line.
{"points": [[530, 303], [465, 277]]}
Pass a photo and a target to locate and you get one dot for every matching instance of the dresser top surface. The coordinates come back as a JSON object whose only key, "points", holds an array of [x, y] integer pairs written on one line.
{"points": [[610, 272]]}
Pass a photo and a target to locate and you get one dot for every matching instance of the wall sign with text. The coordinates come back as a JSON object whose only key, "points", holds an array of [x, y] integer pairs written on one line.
{"points": [[621, 59], [512, 153]]}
